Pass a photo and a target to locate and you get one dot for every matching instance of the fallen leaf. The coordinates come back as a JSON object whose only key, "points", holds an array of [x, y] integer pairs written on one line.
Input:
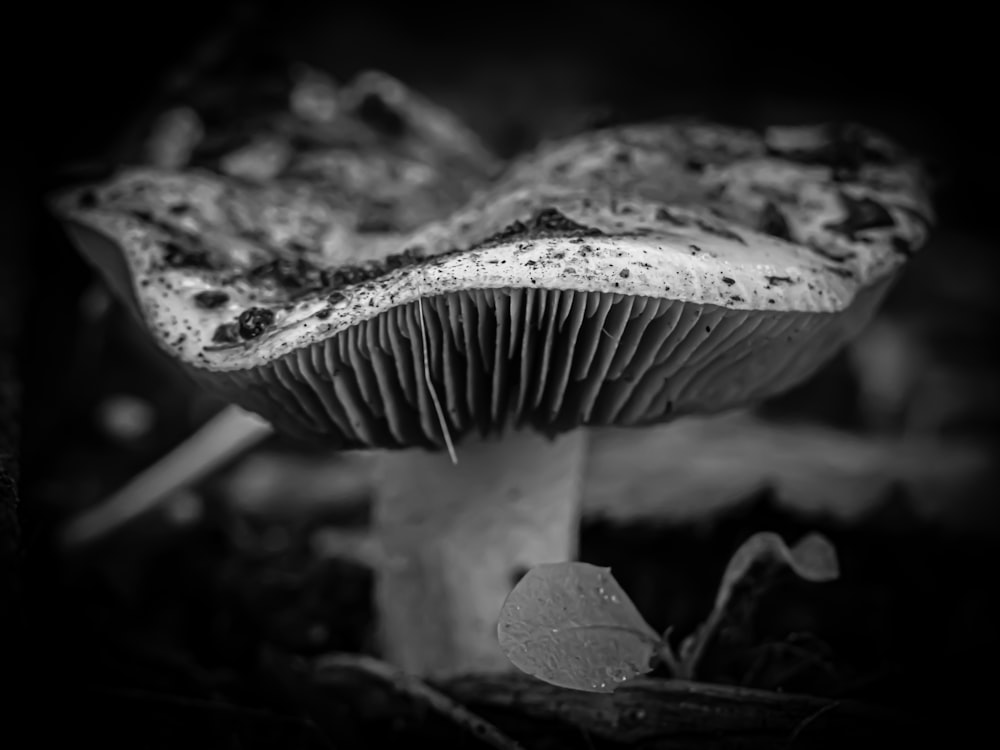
{"points": [[572, 625], [813, 558], [751, 569]]}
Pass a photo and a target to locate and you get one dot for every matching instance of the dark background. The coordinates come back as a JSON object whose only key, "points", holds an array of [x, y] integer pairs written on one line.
{"points": [[516, 72], [923, 76]]}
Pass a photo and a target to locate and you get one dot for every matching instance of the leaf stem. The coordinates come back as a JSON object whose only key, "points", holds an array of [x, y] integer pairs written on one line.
{"points": [[694, 645], [665, 653]]}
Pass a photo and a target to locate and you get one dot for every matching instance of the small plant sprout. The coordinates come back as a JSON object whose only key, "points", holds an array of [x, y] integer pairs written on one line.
{"points": [[571, 624]]}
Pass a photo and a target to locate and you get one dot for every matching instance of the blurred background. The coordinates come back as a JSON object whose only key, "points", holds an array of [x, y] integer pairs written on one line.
{"points": [[890, 451]]}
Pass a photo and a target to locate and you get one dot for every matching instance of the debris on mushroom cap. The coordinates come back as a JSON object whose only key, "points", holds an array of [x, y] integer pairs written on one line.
{"points": [[323, 130], [174, 137], [622, 276]]}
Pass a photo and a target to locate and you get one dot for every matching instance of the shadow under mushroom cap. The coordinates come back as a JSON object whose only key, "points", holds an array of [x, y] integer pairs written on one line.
{"points": [[622, 277]]}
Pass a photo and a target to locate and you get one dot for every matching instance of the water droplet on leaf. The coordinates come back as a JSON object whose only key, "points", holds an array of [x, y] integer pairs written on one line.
{"points": [[572, 625]]}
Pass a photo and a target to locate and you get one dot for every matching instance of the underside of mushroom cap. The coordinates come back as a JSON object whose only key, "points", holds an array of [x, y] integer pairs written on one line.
{"points": [[624, 276]]}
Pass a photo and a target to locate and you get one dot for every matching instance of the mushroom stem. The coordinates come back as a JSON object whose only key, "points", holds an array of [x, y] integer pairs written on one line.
{"points": [[456, 538]]}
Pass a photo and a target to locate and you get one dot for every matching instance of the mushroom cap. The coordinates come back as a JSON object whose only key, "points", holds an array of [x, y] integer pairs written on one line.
{"points": [[623, 276]]}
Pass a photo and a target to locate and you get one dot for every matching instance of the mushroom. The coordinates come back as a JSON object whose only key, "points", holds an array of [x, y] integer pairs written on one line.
{"points": [[623, 277]]}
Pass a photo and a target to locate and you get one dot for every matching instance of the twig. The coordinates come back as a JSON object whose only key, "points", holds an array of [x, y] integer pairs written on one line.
{"points": [[652, 712], [666, 655], [420, 690], [223, 437], [430, 385], [694, 467], [810, 719]]}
